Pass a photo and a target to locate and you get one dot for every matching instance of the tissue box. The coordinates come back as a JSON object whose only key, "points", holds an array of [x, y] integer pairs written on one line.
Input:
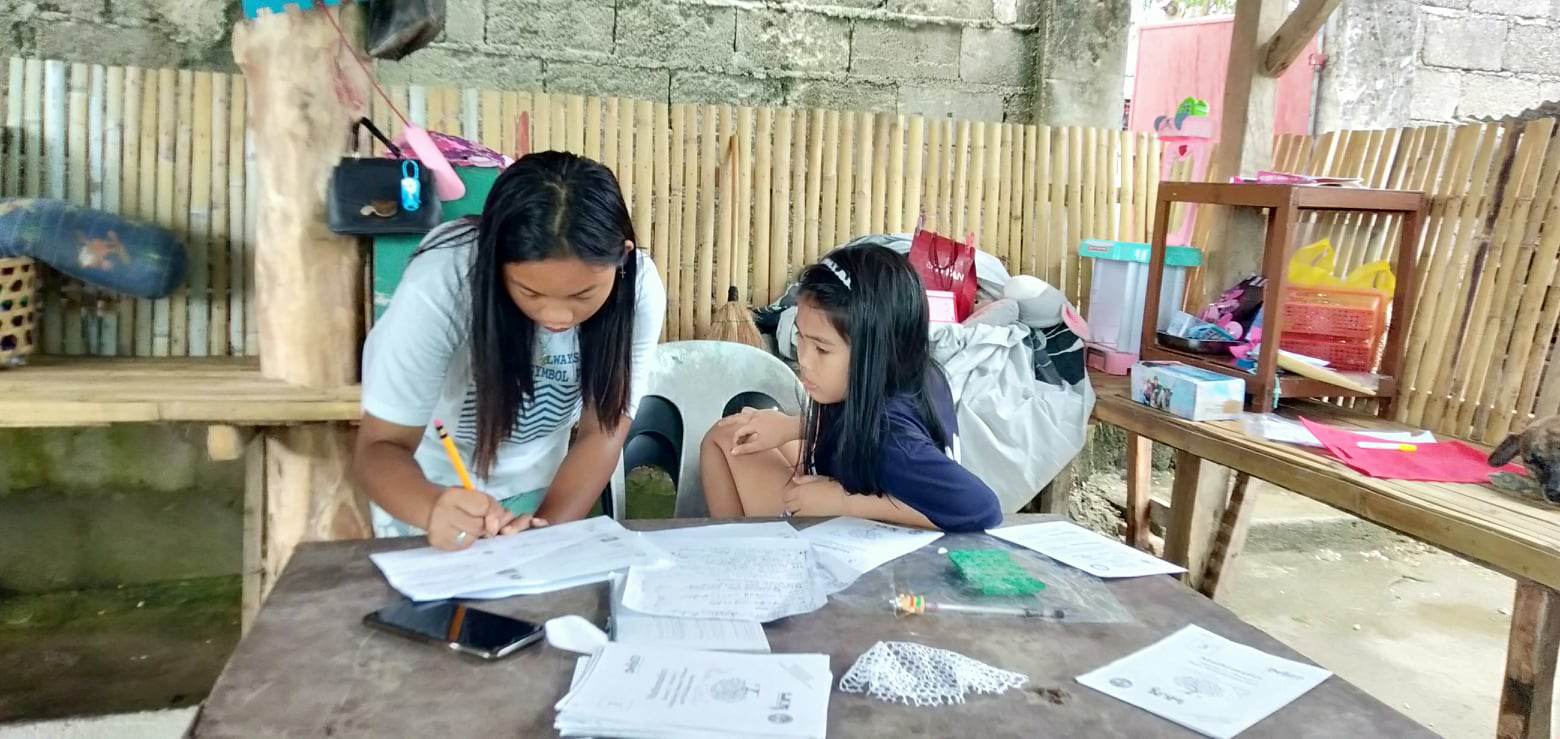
{"points": [[1189, 392]]}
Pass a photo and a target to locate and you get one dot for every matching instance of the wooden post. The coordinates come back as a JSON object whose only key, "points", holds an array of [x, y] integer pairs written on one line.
{"points": [[1230, 538], [304, 91], [1197, 500], [1262, 40], [1140, 483], [1526, 698]]}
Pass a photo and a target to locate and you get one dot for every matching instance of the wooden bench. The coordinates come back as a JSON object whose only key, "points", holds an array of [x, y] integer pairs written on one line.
{"points": [[1209, 515], [227, 395]]}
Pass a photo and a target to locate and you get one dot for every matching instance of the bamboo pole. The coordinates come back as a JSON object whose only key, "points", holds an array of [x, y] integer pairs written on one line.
{"points": [[800, 141], [666, 230], [828, 189], [13, 146], [915, 173], [709, 140], [492, 116], [866, 193], [742, 211], [1029, 209], [1011, 225], [31, 165], [470, 113], [817, 132], [974, 208], [101, 318], [1528, 393], [625, 154], [680, 226], [241, 269], [167, 139], [845, 179], [784, 164], [179, 307], [894, 196], [574, 117], [118, 111], [542, 132], [1076, 224], [609, 142], [763, 228], [936, 153], [147, 187], [692, 245], [74, 298], [991, 208], [593, 128], [645, 225], [220, 249], [509, 122], [958, 207], [724, 247], [558, 110], [199, 302], [52, 138]]}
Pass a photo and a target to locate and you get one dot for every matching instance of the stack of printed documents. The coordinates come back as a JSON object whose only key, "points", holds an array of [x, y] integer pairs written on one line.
{"points": [[644, 692]]}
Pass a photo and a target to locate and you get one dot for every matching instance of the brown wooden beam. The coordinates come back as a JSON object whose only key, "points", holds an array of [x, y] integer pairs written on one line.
{"points": [[305, 89], [1526, 699], [1290, 39]]}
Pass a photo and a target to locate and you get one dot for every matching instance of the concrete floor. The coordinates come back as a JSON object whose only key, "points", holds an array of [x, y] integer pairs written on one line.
{"points": [[1413, 626]]}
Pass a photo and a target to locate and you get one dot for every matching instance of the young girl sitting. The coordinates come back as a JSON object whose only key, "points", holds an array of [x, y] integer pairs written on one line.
{"points": [[879, 438]]}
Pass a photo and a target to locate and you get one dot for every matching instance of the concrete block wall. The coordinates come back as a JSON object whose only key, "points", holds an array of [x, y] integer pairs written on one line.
{"points": [[1402, 62], [1047, 61]]}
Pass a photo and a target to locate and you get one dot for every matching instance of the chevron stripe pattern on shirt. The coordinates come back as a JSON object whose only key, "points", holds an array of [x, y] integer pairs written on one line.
{"points": [[556, 381]]}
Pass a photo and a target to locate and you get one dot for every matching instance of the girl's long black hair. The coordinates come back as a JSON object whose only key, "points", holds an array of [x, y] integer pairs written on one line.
{"points": [[882, 313], [548, 205]]}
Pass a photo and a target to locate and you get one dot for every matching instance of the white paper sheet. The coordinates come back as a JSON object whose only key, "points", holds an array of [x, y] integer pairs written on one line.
{"points": [[1079, 547], [779, 529], [849, 547], [734, 579], [534, 561], [1286, 431], [1205, 682], [632, 627], [635, 691]]}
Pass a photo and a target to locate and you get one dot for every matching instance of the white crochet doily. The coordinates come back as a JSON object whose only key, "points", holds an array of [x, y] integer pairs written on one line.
{"points": [[918, 675]]}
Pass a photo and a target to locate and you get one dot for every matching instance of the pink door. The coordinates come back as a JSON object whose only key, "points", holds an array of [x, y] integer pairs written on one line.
{"points": [[1188, 58]]}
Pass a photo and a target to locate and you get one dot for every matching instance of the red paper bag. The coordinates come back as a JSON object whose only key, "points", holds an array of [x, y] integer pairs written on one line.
{"points": [[946, 264]]}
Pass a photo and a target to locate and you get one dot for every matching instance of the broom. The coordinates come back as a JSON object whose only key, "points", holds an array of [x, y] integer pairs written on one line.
{"points": [[733, 322]]}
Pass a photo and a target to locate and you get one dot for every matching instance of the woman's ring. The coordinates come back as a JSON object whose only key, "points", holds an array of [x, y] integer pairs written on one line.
{"points": [[460, 538]]}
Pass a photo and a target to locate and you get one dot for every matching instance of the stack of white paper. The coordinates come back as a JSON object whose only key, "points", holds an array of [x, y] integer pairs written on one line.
{"points": [[534, 561], [632, 627], [654, 693], [1081, 548], [728, 578], [1205, 682], [848, 548]]}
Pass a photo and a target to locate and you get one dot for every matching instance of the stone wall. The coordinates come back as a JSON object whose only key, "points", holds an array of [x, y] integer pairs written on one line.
{"points": [[1401, 62], [1055, 61]]}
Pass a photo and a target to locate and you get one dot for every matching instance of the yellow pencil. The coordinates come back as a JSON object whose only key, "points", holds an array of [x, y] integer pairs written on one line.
{"points": [[449, 448]]}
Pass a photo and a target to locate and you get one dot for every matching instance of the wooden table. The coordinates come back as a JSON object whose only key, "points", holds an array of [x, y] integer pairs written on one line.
{"points": [[1516, 536], [309, 668]]}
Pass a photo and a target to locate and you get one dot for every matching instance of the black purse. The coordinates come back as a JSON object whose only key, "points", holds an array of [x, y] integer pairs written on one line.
{"points": [[365, 194]]}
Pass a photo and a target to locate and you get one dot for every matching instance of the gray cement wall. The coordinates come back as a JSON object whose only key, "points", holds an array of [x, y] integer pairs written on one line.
{"points": [[1052, 61], [1400, 62]]}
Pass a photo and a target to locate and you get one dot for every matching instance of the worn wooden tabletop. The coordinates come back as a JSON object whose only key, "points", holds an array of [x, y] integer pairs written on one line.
{"points": [[310, 668]]}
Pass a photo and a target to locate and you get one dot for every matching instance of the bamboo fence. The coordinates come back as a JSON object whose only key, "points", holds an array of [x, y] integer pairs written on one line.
{"points": [[721, 196]]}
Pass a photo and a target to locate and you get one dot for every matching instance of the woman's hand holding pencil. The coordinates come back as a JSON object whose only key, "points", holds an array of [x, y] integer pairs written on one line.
{"points": [[462, 515]]}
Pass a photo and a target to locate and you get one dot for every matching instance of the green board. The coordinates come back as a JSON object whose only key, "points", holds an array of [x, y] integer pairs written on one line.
{"points": [[391, 253]]}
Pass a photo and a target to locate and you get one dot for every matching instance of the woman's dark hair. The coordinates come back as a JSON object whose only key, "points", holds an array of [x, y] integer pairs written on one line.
{"points": [[882, 313], [548, 205]]}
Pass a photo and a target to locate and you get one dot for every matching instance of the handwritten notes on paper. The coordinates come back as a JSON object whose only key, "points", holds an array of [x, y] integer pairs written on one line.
{"points": [[735, 579], [534, 561], [1205, 682], [848, 547], [1079, 547]]}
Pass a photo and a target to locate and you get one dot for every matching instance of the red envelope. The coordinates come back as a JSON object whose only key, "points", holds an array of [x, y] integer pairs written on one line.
{"points": [[1446, 461]]}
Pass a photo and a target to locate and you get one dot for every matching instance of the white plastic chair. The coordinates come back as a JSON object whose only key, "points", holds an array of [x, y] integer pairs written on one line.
{"points": [[700, 380]]}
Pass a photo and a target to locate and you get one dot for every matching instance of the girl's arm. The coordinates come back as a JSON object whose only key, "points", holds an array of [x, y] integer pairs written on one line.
{"points": [[585, 470], [812, 496], [384, 469], [886, 508]]}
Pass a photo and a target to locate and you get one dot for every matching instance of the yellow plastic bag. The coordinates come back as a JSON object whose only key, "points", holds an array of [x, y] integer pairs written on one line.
{"points": [[1373, 276], [1312, 266]]}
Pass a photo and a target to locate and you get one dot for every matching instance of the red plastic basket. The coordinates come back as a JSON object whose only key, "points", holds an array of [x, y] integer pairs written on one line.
{"points": [[1338, 313], [1345, 356]]}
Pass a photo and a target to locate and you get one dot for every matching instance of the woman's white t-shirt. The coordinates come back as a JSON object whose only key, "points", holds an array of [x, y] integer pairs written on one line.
{"points": [[417, 368]]}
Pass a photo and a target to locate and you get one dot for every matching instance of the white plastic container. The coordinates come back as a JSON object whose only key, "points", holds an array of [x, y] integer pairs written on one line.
{"points": [[1119, 288]]}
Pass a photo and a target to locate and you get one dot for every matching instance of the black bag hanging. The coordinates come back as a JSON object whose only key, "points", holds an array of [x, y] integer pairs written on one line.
{"points": [[365, 197], [399, 27]]}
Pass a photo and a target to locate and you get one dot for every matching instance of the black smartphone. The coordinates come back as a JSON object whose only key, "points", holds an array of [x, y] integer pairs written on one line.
{"points": [[460, 627]]}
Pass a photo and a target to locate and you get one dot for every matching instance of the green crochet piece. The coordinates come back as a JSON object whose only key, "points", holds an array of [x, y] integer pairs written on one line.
{"points": [[993, 572]]}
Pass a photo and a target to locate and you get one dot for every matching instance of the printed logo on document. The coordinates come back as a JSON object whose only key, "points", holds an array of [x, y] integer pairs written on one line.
{"points": [[782, 704], [732, 690], [633, 665]]}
